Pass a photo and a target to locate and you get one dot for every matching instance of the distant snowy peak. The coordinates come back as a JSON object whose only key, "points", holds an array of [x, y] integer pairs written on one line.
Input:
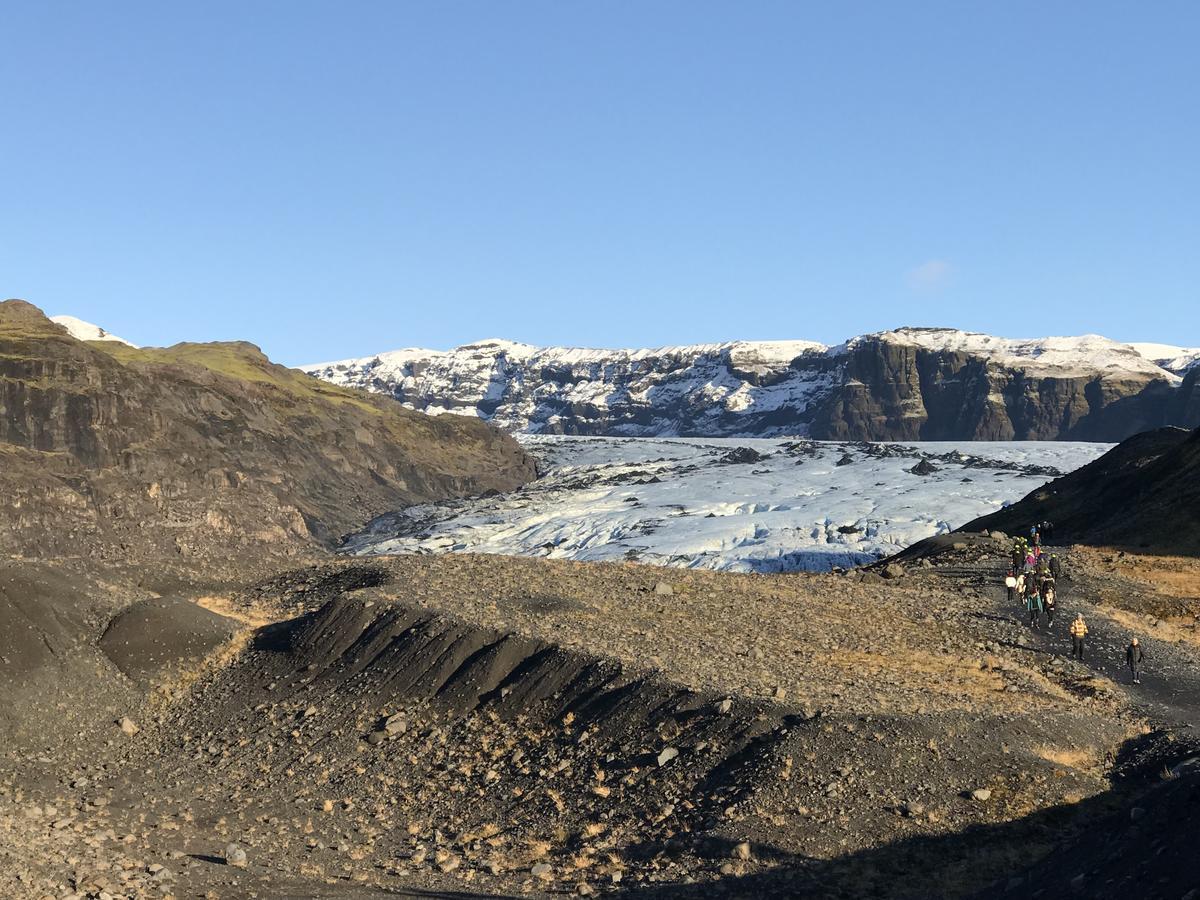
{"points": [[1169, 357], [86, 331]]}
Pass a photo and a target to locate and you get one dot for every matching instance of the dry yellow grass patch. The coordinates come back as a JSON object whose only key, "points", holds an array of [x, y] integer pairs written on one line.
{"points": [[1177, 629], [933, 672], [223, 607], [1069, 757], [1170, 576]]}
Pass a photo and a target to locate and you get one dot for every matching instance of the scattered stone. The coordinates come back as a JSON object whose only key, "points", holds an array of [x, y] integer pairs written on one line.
{"points": [[662, 589], [742, 851], [981, 795], [544, 871], [235, 856], [667, 754], [127, 726], [396, 724]]}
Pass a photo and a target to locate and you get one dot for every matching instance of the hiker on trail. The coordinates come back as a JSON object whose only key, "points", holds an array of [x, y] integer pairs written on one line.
{"points": [[1022, 584], [1010, 582], [1033, 603], [1079, 631], [1031, 559], [1049, 600], [1045, 586], [1035, 537], [1055, 566], [1048, 530], [1135, 657], [1018, 557]]}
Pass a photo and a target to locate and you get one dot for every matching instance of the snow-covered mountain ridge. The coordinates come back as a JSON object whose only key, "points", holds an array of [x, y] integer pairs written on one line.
{"points": [[907, 384]]}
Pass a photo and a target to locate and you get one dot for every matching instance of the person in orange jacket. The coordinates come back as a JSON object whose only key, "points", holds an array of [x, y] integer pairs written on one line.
{"points": [[1079, 631]]}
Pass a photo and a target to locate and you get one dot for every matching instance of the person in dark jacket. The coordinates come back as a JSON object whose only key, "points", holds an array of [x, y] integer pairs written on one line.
{"points": [[1055, 566], [1049, 599], [1045, 582], [1033, 603], [1135, 657]]}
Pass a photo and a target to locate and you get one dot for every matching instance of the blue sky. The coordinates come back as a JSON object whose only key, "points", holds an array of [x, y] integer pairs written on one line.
{"points": [[333, 179]]}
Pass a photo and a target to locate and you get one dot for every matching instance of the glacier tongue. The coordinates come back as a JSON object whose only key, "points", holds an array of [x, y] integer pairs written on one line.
{"points": [[740, 505]]}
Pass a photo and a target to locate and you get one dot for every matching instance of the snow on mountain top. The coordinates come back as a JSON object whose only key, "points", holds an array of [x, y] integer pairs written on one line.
{"points": [[1168, 356], [86, 331], [764, 352], [1082, 353], [1062, 356]]}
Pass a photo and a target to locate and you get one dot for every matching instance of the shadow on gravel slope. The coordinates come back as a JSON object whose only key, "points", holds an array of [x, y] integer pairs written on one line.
{"points": [[1137, 839]]}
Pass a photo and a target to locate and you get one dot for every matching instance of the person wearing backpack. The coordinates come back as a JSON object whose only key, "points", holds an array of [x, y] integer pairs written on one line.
{"points": [[1010, 582], [1079, 632], [1135, 658], [1055, 566], [1045, 582]]}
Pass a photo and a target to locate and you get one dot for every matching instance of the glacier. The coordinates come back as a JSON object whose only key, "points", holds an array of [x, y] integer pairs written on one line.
{"points": [[748, 505]]}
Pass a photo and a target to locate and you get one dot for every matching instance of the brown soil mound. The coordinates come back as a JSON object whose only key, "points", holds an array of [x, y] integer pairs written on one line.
{"points": [[155, 636]]}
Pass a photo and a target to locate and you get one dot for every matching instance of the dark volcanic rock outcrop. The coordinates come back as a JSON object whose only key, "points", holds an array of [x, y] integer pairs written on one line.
{"points": [[909, 384], [207, 451], [1143, 494], [896, 391]]}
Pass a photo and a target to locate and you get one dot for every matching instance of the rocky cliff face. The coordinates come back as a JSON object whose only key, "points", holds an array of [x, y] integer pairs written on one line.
{"points": [[910, 384], [208, 451]]}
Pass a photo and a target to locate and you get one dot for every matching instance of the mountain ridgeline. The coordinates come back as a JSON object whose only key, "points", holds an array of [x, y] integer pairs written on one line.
{"points": [[208, 451], [909, 384]]}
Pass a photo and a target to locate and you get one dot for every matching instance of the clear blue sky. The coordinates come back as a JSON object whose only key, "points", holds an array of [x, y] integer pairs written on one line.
{"points": [[333, 179]]}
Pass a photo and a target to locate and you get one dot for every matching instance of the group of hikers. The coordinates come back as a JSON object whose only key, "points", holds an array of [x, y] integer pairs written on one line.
{"points": [[1033, 577], [1033, 580]]}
